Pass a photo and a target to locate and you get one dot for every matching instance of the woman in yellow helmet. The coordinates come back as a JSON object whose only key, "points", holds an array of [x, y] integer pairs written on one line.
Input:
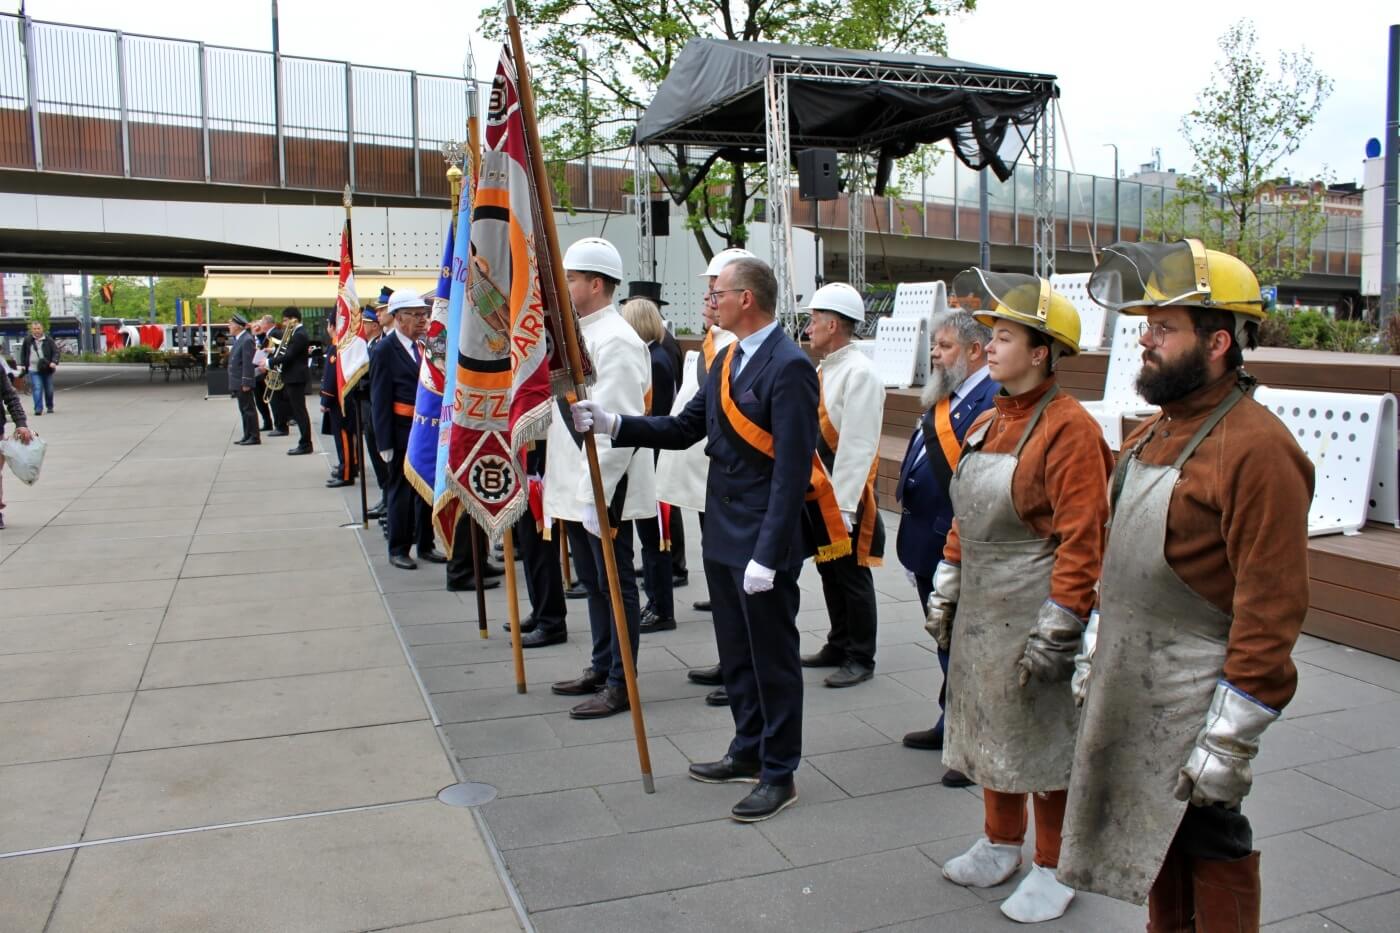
{"points": [[1017, 580]]}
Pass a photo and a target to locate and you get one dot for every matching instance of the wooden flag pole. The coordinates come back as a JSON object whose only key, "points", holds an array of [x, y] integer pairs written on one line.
{"points": [[564, 560], [513, 607], [555, 271], [478, 566], [348, 199]]}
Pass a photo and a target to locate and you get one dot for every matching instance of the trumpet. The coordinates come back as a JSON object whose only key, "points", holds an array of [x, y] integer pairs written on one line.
{"points": [[274, 381]]}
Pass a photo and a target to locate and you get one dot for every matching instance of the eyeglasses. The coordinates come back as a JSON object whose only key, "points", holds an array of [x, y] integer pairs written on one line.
{"points": [[712, 296], [1157, 334]]}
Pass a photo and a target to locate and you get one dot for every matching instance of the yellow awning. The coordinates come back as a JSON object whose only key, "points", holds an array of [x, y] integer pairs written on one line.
{"points": [[262, 290]]}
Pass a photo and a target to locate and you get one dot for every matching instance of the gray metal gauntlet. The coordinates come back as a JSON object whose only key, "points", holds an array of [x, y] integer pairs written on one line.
{"points": [[1083, 661], [1218, 770], [943, 603], [1049, 654]]}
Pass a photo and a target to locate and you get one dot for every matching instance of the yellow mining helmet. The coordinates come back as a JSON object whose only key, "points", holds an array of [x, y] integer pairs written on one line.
{"points": [[1025, 299], [1133, 278]]}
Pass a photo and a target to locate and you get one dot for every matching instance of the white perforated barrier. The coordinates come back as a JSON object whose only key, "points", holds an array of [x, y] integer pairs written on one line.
{"points": [[867, 347], [1091, 313], [919, 299], [901, 351], [1351, 441], [1120, 394]]}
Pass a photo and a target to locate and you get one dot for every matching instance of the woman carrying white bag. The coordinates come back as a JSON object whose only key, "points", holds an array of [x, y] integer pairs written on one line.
{"points": [[11, 406]]}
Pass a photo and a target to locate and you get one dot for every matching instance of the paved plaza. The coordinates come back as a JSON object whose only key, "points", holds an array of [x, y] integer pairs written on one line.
{"points": [[209, 721]]}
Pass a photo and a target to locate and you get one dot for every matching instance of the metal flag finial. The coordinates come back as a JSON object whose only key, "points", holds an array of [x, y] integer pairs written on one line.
{"points": [[346, 198], [453, 152]]}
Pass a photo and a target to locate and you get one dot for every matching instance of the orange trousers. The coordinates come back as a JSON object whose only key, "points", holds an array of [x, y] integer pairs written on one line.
{"points": [[1006, 822]]}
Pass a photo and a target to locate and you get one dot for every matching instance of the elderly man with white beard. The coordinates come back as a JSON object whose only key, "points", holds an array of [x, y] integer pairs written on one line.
{"points": [[958, 390]]}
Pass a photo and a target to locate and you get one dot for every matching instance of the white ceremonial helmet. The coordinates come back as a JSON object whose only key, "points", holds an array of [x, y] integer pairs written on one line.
{"points": [[838, 298], [405, 298], [724, 258], [594, 254]]}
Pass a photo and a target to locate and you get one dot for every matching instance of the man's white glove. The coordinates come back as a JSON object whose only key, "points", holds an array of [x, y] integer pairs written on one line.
{"points": [[1218, 769], [589, 416], [943, 603], [913, 580], [757, 578], [849, 520], [1083, 661], [387, 454], [590, 520]]}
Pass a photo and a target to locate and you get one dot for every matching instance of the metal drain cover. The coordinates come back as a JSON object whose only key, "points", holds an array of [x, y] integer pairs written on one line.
{"points": [[467, 794]]}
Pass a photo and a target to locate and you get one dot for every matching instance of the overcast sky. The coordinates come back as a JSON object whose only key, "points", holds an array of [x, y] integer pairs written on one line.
{"points": [[1128, 71]]}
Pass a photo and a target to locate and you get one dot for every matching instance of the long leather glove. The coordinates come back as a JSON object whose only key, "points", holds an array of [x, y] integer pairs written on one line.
{"points": [[943, 603], [1083, 661], [1050, 649], [1218, 769]]}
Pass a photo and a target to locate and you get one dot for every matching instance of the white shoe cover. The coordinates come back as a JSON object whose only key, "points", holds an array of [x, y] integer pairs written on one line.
{"points": [[1039, 897], [985, 865]]}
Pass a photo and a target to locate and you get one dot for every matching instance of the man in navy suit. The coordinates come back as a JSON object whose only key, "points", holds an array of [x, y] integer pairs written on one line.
{"points": [[958, 390], [393, 388], [755, 534]]}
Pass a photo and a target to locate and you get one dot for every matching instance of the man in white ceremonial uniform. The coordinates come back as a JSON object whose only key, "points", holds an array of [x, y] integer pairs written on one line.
{"points": [[682, 475], [622, 369], [851, 416]]}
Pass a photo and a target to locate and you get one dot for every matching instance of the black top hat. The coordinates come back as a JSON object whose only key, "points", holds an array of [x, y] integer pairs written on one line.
{"points": [[648, 290]]}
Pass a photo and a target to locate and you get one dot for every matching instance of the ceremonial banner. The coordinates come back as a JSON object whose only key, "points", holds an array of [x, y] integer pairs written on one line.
{"points": [[420, 465], [447, 505], [352, 351], [501, 398]]}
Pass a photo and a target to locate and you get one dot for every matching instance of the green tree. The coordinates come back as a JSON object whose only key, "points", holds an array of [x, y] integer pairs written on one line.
{"points": [[1244, 125], [131, 296], [39, 309], [630, 48]]}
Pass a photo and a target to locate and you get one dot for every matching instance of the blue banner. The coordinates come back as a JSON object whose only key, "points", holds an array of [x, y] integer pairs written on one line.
{"points": [[420, 466]]}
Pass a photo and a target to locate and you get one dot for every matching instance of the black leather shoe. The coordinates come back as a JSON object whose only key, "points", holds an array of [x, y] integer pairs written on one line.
{"points": [[403, 562], [657, 624], [527, 625], [280, 432], [575, 591], [299, 450], [706, 676], [955, 778], [648, 613], [701, 605], [244, 442], [827, 657], [432, 556], [489, 570], [470, 586], [725, 771], [590, 681], [679, 580], [849, 674], [928, 739], [606, 702], [266, 427], [335, 483], [539, 638], [376, 511], [718, 697], [766, 800]]}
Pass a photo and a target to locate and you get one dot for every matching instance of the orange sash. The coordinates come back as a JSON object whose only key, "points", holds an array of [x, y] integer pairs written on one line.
{"points": [[868, 512], [943, 427]]}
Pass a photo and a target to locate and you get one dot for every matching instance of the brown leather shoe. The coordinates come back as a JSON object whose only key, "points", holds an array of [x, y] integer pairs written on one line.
{"points": [[826, 657], [589, 682], [1171, 906], [606, 702], [955, 778], [1226, 894]]}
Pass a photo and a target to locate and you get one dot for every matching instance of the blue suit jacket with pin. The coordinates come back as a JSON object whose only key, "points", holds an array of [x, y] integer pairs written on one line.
{"points": [[753, 511], [393, 377], [927, 507]]}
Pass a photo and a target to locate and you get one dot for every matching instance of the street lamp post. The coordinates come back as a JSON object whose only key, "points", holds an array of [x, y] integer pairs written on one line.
{"points": [[1117, 213]]}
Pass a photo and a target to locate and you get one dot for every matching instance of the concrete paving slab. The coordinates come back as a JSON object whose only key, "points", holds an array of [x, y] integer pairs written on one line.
{"points": [[165, 496], [178, 788], [288, 584], [1302, 874], [50, 572], [41, 674], [567, 768], [1322, 691], [1366, 729], [499, 737], [47, 802], [220, 660], [1368, 915], [1307, 923], [350, 871], [68, 727], [311, 540], [272, 560], [1370, 837], [879, 769], [549, 819], [1088, 912], [1374, 776], [679, 800], [820, 735], [898, 718], [1286, 745], [82, 597], [267, 617], [489, 921], [1284, 801], [122, 516], [79, 630], [70, 534], [273, 522], [98, 549], [662, 718], [29, 886], [639, 863], [1361, 665], [278, 706]]}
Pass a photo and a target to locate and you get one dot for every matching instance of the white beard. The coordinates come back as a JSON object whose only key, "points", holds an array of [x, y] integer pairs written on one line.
{"points": [[942, 382]]}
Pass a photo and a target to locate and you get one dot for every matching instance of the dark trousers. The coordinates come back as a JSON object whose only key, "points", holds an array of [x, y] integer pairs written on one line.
{"points": [[269, 414], [544, 578], [1216, 833], [409, 517], [587, 552], [657, 572], [678, 567], [281, 414], [247, 414], [295, 398], [924, 586], [849, 589], [376, 462], [460, 570], [758, 656]]}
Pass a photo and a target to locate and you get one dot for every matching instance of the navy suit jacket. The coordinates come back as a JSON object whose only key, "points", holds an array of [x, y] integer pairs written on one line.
{"points": [[393, 377], [752, 511], [927, 507]]}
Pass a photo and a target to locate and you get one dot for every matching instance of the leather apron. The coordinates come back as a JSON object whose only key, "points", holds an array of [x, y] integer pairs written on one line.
{"points": [[1161, 651], [1005, 737]]}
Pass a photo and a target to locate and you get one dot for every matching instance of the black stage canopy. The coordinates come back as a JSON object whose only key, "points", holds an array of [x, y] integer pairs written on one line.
{"points": [[850, 101]]}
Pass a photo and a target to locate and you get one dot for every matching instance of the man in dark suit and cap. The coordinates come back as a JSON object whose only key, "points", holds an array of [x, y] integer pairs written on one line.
{"points": [[243, 377]]}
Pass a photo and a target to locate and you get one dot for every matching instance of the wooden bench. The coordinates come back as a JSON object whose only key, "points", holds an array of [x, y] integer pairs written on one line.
{"points": [[158, 364]]}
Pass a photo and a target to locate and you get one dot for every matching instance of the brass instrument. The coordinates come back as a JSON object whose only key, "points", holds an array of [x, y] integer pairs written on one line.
{"points": [[274, 381]]}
